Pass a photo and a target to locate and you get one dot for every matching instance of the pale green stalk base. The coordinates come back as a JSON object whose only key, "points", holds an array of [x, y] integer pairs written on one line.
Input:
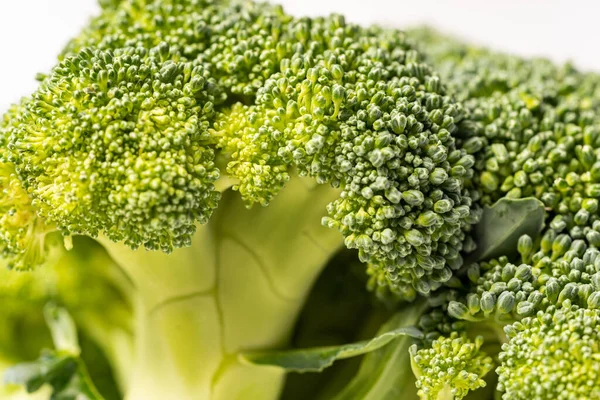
{"points": [[239, 287]]}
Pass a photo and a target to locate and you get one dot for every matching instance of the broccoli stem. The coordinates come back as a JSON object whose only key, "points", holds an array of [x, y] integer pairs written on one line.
{"points": [[240, 286]]}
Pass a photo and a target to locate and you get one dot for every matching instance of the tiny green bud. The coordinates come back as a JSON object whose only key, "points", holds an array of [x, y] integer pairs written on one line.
{"points": [[525, 309], [398, 123], [414, 237], [593, 301], [593, 237], [500, 152], [393, 195], [525, 246], [438, 176], [429, 218], [473, 303], [442, 206], [552, 290], [388, 236], [458, 310], [521, 179], [413, 197], [569, 292], [489, 181], [561, 244], [523, 272], [508, 272], [488, 302], [506, 302]]}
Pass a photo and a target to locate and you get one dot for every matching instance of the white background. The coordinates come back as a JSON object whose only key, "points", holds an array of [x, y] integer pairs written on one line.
{"points": [[32, 32]]}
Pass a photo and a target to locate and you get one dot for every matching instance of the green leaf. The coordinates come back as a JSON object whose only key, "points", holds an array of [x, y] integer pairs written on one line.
{"points": [[65, 373], [318, 358], [62, 368], [503, 224], [386, 374], [63, 330]]}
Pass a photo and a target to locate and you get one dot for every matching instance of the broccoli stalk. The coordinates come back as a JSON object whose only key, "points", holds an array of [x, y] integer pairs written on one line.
{"points": [[239, 287]]}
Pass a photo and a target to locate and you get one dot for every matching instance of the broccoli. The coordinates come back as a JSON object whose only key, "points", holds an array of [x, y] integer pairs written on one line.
{"points": [[201, 144], [196, 179]]}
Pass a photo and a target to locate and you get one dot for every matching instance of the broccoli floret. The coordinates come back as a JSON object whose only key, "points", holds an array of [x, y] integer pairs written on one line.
{"points": [[26, 240], [377, 124], [115, 143], [554, 354], [450, 368], [533, 126]]}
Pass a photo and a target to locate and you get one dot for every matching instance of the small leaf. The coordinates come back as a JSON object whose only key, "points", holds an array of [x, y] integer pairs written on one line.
{"points": [[385, 374], [503, 224], [318, 358], [63, 330], [62, 369]]}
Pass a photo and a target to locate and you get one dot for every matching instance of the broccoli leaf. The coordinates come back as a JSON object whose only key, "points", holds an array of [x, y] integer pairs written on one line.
{"points": [[65, 373], [386, 373], [62, 328], [318, 358], [504, 223], [61, 368]]}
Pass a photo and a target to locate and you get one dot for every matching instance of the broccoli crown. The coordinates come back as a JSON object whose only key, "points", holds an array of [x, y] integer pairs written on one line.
{"points": [[22, 233], [366, 116], [450, 368], [554, 354], [533, 126], [160, 106], [115, 143], [243, 42], [122, 138]]}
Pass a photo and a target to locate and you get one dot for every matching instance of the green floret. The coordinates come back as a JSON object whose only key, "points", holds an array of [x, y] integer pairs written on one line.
{"points": [[147, 23], [242, 41], [555, 354], [114, 143], [26, 240], [533, 126], [563, 269], [533, 129], [450, 368], [22, 233], [368, 117], [522, 298]]}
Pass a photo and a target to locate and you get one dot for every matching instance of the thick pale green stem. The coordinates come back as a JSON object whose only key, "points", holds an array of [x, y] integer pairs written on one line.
{"points": [[239, 287]]}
